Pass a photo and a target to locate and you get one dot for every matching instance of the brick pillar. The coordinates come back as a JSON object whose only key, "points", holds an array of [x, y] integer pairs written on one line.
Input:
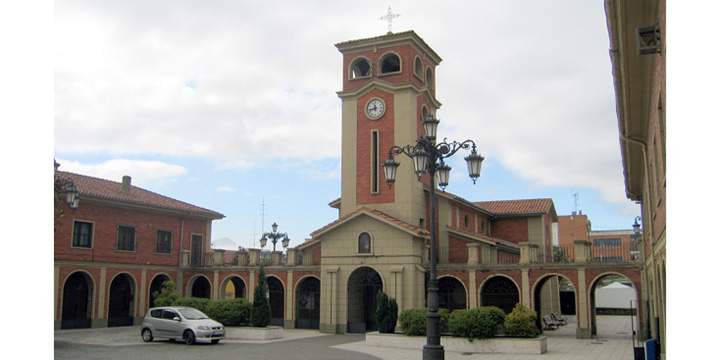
{"points": [[583, 251], [99, 318], [291, 257], [397, 274], [251, 285], [253, 257], [219, 257], [583, 316], [472, 289], [290, 302], [525, 288], [528, 253], [215, 285], [143, 293], [472, 249]]}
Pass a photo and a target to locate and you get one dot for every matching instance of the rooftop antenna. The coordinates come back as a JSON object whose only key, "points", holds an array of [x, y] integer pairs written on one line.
{"points": [[389, 18], [575, 197], [262, 215]]}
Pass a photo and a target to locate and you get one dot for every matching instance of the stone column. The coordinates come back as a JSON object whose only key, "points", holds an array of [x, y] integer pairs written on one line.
{"points": [[275, 257], [472, 248], [99, 319], [583, 251], [489, 254], [472, 289], [184, 258], [528, 253], [215, 285], [253, 257], [525, 287], [290, 302], [397, 273], [329, 302], [219, 257], [583, 318], [251, 285], [143, 293], [179, 283], [290, 257]]}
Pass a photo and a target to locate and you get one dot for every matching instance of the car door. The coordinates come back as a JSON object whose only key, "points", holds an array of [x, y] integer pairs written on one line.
{"points": [[156, 321], [172, 327]]}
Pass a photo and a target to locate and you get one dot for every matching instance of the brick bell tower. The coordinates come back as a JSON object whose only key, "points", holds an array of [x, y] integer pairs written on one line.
{"points": [[388, 85]]}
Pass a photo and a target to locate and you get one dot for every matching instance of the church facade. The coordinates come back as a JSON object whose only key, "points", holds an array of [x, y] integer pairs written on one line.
{"points": [[496, 253]]}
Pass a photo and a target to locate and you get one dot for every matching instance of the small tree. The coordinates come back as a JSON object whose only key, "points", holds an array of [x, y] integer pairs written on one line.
{"points": [[167, 296], [261, 305], [386, 313]]}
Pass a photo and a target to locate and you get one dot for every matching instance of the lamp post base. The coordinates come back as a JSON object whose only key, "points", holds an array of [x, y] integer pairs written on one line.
{"points": [[433, 352]]}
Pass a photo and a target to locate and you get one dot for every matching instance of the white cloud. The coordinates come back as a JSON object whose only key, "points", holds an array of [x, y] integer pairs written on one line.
{"points": [[225, 188], [224, 243], [143, 172], [240, 83]]}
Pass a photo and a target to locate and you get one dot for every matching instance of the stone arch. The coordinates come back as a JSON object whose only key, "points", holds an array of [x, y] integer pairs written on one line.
{"points": [[199, 285], [450, 296], [418, 68], [363, 285], [276, 290], [360, 67], [121, 299], [77, 300], [155, 286], [307, 302], [536, 296], [429, 79], [499, 290], [390, 62], [239, 287], [592, 309]]}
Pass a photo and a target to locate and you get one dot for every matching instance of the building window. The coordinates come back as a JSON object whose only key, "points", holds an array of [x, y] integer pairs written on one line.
{"points": [[364, 243], [429, 79], [606, 242], [360, 68], [418, 68], [375, 161], [466, 220], [163, 242], [126, 238], [82, 234], [389, 63]]}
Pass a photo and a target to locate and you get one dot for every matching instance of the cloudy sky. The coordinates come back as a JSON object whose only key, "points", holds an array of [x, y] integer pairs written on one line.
{"points": [[229, 104]]}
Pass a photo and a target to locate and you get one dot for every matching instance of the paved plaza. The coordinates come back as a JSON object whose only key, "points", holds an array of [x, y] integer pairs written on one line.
{"points": [[614, 342]]}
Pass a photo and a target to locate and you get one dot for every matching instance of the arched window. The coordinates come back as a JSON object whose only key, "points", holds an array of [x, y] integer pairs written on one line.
{"points": [[360, 68], [466, 220], [429, 79], [418, 67], [425, 113], [364, 246], [389, 63]]}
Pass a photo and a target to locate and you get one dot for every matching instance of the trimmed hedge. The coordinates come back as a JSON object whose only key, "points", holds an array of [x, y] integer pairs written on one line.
{"points": [[479, 323], [193, 302], [230, 312], [414, 321], [521, 322]]}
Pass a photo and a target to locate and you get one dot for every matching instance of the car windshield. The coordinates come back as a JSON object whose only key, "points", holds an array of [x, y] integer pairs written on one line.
{"points": [[192, 314]]}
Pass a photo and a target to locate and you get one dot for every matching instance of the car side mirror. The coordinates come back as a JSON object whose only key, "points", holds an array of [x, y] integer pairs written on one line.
{"points": [[176, 318]]}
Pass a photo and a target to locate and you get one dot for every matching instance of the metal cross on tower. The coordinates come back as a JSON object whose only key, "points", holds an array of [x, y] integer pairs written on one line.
{"points": [[389, 18]]}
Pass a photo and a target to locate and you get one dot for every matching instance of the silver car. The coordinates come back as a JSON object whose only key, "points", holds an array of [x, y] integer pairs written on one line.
{"points": [[180, 323]]}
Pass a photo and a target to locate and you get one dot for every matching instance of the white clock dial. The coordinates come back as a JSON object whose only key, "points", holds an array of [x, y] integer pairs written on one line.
{"points": [[375, 109]]}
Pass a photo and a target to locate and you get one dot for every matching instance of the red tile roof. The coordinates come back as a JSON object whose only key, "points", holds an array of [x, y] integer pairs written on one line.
{"points": [[93, 187], [517, 207], [415, 230]]}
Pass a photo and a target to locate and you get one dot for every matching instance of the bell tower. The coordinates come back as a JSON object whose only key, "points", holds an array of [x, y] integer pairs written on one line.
{"points": [[388, 86]]}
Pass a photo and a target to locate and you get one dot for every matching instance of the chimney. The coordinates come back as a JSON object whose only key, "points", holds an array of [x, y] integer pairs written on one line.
{"points": [[126, 182]]}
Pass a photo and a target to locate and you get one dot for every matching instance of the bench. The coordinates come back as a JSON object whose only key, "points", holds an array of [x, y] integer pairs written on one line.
{"points": [[549, 323], [558, 318]]}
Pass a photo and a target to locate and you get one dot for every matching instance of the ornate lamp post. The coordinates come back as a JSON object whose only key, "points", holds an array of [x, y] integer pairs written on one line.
{"points": [[635, 245], [274, 236], [429, 157], [66, 187]]}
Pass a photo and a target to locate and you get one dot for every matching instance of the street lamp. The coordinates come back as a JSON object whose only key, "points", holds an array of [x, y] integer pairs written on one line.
{"points": [[634, 247], [428, 157], [66, 187], [274, 236]]}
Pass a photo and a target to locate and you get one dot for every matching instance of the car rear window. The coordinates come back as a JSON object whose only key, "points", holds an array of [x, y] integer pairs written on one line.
{"points": [[156, 313]]}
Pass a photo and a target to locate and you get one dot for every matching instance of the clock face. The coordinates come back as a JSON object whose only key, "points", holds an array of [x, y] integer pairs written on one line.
{"points": [[375, 108]]}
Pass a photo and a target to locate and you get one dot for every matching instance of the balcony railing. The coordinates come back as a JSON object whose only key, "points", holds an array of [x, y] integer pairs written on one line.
{"points": [[614, 253]]}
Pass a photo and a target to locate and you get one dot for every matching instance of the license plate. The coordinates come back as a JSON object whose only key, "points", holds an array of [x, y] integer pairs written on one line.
{"points": [[216, 334]]}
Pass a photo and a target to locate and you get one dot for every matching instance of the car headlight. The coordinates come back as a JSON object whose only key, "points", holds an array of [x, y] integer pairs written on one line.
{"points": [[203, 328]]}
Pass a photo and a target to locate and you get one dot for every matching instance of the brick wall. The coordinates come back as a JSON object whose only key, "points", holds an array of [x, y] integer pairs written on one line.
{"points": [[515, 229]]}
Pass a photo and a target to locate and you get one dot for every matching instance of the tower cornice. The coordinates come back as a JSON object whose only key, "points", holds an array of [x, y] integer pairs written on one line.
{"points": [[383, 85], [389, 39]]}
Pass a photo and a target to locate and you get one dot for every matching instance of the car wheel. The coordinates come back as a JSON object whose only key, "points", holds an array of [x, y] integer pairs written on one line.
{"points": [[146, 335], [215, 341], [189, 337]]}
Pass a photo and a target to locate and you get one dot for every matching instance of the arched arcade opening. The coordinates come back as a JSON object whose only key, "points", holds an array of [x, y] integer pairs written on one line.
{"points": [[451, 293], [499, 291], [613, 307], [200, 287], [362, 288], [277, 301], [155, 288], [233, 288], [307, 304], [121, 307], [77, 300], [554, 296]]}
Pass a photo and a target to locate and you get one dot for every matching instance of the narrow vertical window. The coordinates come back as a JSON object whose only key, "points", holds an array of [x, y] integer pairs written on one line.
{"points": [[375, 161], [126, 238], [364, 246], [163, 242], [82, 234]]}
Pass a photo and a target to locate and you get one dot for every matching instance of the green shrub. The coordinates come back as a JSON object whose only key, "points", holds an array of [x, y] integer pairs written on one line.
{"points": [[521, 322], [413, 321], [479, 323], [230, 312], [386, 313], [167, 295], [261, 306], [444, 318], [194, 302]]}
